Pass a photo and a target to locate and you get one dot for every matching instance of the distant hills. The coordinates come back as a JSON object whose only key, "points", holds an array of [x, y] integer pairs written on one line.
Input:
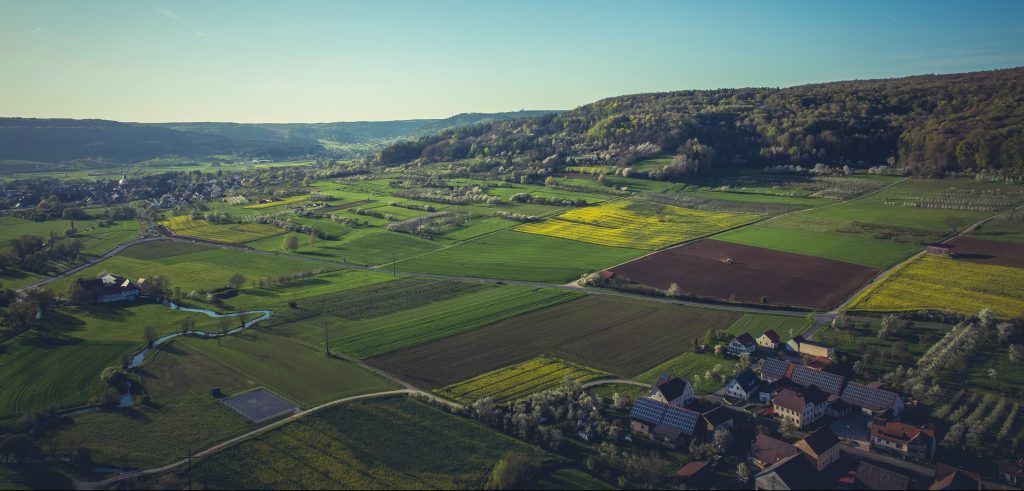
{"points": [[57, 140], [928, 124]]}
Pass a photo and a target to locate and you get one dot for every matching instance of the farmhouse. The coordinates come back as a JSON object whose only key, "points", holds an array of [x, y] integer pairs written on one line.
{"points": [[744, 343], [719, 417], [804, 346], [767, 451], [800, 406], [667, 423], [743, 385], [949, 477], [872, 400], [794, 472], [109, 288], [906, 440], [821, 446], [672, 390], [944, 250], [769, 340], [870, 476]]}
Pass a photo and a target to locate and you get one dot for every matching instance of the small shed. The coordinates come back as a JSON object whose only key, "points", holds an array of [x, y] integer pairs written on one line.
{"points": [[215, 392], [936, 249]]}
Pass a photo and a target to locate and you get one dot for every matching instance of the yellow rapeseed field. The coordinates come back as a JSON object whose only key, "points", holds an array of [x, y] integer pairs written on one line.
{"points": [[228, 234], [635, 224], [518, 381], [938, 283]]}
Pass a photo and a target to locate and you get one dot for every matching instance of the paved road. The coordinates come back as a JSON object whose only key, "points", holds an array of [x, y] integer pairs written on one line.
{"points": [[107, 255]]}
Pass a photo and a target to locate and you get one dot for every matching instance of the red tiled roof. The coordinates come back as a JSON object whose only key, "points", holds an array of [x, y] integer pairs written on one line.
{"points": [[903, 432], [691, 469]]}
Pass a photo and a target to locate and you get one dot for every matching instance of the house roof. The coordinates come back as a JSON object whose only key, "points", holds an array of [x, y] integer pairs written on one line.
{"points": [[820, 440], [871, 398], [959, 479], [746, 380], [797, 399], [691, 469], [903, 432], [772, 335], [771, 450], [871, 476], [746, 340], [796, 472], [107, 284], [717, 416], [942, 471], [672, 388]]}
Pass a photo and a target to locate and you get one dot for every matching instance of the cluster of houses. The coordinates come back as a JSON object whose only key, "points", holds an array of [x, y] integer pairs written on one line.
{"points": [[111, 288], [671, 414]]}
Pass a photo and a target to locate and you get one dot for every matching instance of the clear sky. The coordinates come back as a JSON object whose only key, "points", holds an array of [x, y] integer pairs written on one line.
{"points": [[332, 60]]}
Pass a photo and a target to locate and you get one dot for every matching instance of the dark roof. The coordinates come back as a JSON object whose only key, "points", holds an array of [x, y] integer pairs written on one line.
{"points": [[774, 336], [774, 369], [771, 450], [718, 416], [797, 399], [871, 398], [873, 477], [672, 388], [746, 380], [746, 340], [107, 285], [821, 440], [796, 472], [828, 382], [957, 480], [658, 413], [692, 469]]}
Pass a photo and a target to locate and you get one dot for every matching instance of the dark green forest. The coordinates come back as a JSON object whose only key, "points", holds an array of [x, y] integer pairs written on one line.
{"points": [[928, 125]]}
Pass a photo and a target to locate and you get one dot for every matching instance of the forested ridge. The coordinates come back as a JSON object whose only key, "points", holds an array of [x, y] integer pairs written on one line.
{"points": [[928, 125]]}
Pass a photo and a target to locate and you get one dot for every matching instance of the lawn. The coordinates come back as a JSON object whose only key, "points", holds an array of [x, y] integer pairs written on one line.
{"points": [[786, 326], [393, 443], [693, 367], [857, 250], [515, 255], [368, 246], [636, 224], [615, 335], [518, 381], [403, 329], [1009, 229], [937, 283]]}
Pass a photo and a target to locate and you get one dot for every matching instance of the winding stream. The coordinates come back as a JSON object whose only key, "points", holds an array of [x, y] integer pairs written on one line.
{"points": [[139, 357]]}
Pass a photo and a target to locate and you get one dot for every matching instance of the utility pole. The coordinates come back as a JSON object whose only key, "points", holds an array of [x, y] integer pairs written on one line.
{"points": [[188, 457], [327, 340], [394, 264]]}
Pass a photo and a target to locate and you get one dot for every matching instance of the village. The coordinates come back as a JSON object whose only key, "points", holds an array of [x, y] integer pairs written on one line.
{"points": [[813, 429]]}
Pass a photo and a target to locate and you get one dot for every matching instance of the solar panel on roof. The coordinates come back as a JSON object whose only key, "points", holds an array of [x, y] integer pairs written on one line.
{"points": [[774, 369], [647, 410], [827, 382], [867, 397], [681, 419]]}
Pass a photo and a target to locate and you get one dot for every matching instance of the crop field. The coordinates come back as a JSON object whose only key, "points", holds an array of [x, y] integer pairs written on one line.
{"points": [[201, 270], [519, 256], [1008, 229], [858, 250], [520, 380], [615, 335], [636, 224], [938, 283], [998, 253], [394, 443], [297, 371], [286, 201], [239, 233], [756, 324], [436, 320], [366, 246], [726, 271]]}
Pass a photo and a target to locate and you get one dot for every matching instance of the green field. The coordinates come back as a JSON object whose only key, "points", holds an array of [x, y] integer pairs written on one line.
{"points": [[786, 326], [393, 443], [858, 250], [520, 380], [520, 256], [689, 366], [436, 320], [1009, 229]]}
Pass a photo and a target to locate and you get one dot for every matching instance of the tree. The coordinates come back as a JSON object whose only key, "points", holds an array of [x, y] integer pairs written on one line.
{"points": [[722, 440], [21, 315], [77, 295], [151, 336], [787, 428], [986, 317], [719, 350], [312, 238], [290, 243], [674, 290], [1017, 352], [17, 447], [157, 287], [237, 280], [742, 473], [512, 470], [888, 327], [744, 360]]}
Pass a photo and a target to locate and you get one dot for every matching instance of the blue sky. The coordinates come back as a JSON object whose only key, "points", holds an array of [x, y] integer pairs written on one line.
{"points": [[306, 61]]}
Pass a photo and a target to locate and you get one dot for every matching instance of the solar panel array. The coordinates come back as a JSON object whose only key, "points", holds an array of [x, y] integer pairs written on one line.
{"points": [[774, 369], [647, 410], [658, 413], [681, 419], [827, 382], [868, 397]]}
